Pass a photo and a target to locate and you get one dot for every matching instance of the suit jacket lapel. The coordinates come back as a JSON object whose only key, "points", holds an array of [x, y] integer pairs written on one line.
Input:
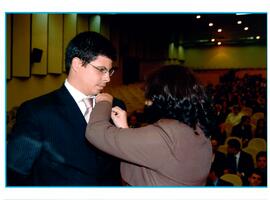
{"points": [[70, 110]]}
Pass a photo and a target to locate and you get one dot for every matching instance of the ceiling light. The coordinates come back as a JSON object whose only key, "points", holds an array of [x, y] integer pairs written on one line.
{"points": [[239, 22], [213, 40], [246, 28], [258, 37], [210, 24], [198, 16], [219, 30], [219, 43]]}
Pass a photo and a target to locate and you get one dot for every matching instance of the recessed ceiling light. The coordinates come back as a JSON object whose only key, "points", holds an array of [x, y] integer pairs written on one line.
{"points": [[219, 43], [210, 24], [198, 16], [246, 28], [219, 30], [258, 37], [213, 40], [239, 22]]}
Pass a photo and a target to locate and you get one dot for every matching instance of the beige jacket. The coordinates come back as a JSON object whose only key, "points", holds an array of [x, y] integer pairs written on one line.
{"points": [[167, 153]]}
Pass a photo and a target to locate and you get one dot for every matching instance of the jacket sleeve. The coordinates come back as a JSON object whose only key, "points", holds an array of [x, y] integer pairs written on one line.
{"points": [[23, 147], [143, 146]]}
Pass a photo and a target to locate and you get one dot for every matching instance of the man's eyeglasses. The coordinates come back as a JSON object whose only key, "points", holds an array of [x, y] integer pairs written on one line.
{"points": [[103, 69]]}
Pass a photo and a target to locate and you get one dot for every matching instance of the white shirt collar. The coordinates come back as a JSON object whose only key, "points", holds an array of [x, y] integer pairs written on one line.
{"points": [[237, 155], [76, 94]]}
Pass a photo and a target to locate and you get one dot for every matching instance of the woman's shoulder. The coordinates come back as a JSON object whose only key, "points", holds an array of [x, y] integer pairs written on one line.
{"points": [[172, 123], [172, 126]]}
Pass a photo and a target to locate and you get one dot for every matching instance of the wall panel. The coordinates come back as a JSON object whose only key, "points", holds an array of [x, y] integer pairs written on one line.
{"points": [[227, 57], [95, 23], [39, 41], [82, 23], [55, 43], [70, 28], [8, 47], [21, 45]]}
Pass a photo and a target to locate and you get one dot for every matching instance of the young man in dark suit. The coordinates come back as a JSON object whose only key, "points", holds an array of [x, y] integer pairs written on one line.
{"points": [[237, 161], [47, 146]]}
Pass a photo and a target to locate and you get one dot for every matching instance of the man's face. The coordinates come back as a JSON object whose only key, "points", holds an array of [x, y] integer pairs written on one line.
{"points": [[214, 145], [231, 150], [261, 162], [90, 76], [255, 180]]}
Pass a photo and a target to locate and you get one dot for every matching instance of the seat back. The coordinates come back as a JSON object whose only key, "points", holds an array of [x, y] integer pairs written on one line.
{"points": [[257, 143], [232, 178], [252, 151], [222, 148], [254, 118]]}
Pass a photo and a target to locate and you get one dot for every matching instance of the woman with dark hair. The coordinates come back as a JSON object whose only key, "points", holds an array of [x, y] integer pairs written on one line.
{"points": [[173, 151]]}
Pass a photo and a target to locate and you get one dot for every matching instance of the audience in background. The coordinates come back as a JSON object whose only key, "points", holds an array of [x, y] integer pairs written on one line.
{"points": [[243, 130], [261, 130]]}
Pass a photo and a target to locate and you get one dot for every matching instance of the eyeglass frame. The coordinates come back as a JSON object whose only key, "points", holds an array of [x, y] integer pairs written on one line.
{"points": [[103, 69]]}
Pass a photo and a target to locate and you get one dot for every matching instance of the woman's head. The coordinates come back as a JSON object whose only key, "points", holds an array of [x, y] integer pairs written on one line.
{"points": [[175, 93]]}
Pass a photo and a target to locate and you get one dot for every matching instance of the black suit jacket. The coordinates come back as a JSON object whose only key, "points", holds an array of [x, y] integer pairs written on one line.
{"points": [[245, 164], [218, 164], [48, 146]]}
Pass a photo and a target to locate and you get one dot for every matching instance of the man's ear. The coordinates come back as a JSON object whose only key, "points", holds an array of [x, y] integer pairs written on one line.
{"points": [[76, 63]]}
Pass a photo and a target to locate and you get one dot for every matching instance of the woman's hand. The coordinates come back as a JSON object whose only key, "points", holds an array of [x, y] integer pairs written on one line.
{"points": [[119, 117], [104, 97]]}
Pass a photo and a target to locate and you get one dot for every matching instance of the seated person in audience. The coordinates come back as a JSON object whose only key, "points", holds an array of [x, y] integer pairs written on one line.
{"points": [[234, 117], [213, 178], [133, 120], [243, 130], [237, 161], [220, 115], [261, 129], [176, 149], [255, 178], [261, 165], [218, 158]]}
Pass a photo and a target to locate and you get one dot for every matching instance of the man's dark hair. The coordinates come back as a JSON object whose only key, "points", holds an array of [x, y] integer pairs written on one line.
{"points": [[176, 94], [234, 143], [261, 154], [87, 46], [256, 171]]}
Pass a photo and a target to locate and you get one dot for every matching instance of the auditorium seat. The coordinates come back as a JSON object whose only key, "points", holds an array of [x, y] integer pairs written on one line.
{"points": [[258, 144], [232, 178]]}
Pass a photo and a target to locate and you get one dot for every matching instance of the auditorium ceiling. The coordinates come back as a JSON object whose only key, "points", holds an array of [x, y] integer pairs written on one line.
{"points": [[197, 29]]}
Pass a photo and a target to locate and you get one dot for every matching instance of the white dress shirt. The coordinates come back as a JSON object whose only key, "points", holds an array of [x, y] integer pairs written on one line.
{"points": [[237, 156]]}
